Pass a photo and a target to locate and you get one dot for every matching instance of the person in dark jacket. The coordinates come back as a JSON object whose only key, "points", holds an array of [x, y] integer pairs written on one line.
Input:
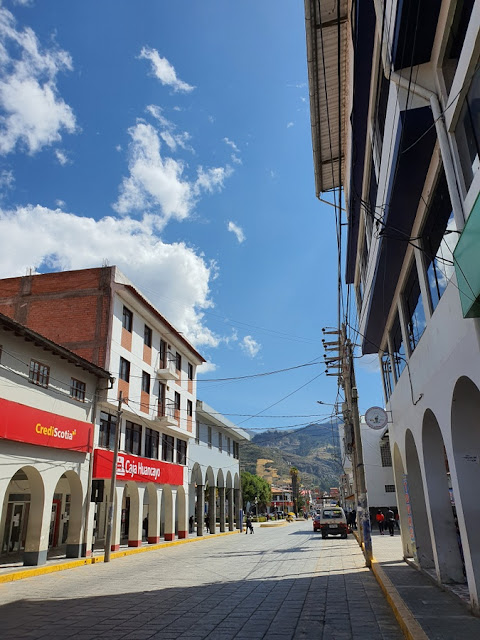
{"points": [[390, 519]]}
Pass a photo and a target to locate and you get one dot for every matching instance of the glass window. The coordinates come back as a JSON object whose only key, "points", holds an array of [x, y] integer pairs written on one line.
{"points": [[178, 362], [127, 319], [190, 371], [189, 408], [147, 336], [209, 437], [167, 448], [197, 433], [229, 446], [383, 87], [398, 347], [467, 133], [177, 401], [77, 389], [133, 437], [124, 373], [385, 454], [388, 381], [220, 442], [181, 451], [145, 382], [414, 310], [456, 38], [108, 425], [39, 374], [163, 355], [152, 439], [438, 240]]}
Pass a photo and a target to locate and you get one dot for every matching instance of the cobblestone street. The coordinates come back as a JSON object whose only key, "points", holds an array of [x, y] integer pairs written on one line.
{"points": [[283, 583]]}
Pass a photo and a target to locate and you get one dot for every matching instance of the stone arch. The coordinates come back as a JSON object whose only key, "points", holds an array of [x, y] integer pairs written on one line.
{"points": [[448, 560], [404, 506], [26, 538], [466, 453], [423, 540]]}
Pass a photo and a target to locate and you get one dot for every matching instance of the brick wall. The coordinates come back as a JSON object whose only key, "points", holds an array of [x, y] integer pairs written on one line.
{"points": [[72, 308]]}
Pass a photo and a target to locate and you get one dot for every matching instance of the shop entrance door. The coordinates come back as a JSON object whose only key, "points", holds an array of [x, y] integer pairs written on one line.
{"points": [[15, 527], [54, 523]]}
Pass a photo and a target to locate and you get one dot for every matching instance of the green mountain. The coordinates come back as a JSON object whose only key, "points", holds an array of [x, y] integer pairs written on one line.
{"points": [[314, 450]]}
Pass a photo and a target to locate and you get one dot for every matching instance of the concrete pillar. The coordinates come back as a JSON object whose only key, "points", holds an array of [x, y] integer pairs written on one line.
{"points": [[170, 516], [135, 524], [117, 518], [200, 509], [231, 510], [212, 508], [182, 515], [221, 497], [154, 510], [36, 544], [238, 497]]}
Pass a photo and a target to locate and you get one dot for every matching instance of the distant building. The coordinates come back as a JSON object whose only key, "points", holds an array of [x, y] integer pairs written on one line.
{"points": [[282, 499]]}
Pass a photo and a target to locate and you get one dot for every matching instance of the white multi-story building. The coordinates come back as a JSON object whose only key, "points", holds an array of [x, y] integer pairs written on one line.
{"points": [[214, 471], [395, 120], [47, 406]]}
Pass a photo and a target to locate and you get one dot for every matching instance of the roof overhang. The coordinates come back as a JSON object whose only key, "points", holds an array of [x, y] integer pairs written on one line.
{"points": [[408, 176], [215, 418], [326, 25]]}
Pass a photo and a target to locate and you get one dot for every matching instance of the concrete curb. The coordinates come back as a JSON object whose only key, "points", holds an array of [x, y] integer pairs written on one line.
{"points": [[267, 525], [39, 571], [408, 623]]}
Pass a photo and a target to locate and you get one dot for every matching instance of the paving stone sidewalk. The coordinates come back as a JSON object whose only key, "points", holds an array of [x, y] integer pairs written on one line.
{"points": [[441, 614], [284, 583]]}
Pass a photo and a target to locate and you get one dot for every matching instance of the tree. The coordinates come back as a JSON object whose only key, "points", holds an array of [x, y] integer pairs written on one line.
{"points": [[255, 487], [294, 474]]}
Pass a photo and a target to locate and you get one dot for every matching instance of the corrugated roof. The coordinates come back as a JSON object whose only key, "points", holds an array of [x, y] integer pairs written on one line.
{"points": [[326, 22]]}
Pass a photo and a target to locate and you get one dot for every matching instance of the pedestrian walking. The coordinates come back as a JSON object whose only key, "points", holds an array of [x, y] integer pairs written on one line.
{"points": [[249, 526], [207, 524], [190, 524], [380, 518], [391, 522]]}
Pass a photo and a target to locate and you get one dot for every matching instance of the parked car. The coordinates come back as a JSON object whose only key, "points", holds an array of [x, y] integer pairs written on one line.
{"points": [[331, 521]]}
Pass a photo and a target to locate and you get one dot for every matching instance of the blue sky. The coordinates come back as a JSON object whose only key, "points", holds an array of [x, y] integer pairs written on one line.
{"points": [[173, 140]]}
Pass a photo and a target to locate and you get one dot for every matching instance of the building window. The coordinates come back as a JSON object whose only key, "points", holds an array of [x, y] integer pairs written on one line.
{"points": [[389, 488], [161, 399], [467, 133], [145, 382], [197, 433], [189, 408], [124, 373], [39, 374], [127, 319], [147, 336], [455, 41], [220, 442], [162, 356], [181, 451], [415, 314], [397, 346], [108, 425], [229, 444], [178, 362], [388, 382], [209, 437], [152, 439], [167, 448], [381, 100], [438, 240], [133, 438], [176, 405], [77, 390], [190, 371], [236, 450], [385, 454]]}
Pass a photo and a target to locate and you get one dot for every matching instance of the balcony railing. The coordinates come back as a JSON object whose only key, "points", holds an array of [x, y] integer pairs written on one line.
{"points": [[166, 367], [166, 410]]}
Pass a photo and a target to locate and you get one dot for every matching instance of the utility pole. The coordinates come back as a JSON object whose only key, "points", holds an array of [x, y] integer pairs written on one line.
{"points": [[113, 482], [339, 363]]}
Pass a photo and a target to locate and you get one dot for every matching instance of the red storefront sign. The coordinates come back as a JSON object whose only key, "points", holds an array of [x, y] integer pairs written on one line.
{"points": [[135, 468], [27, 424]]}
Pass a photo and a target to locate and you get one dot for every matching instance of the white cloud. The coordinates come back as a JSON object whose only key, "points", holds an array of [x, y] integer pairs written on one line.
{"points": [[231, 144], [24, 3], [238, 231], [60, 203], [206, 367], [164, 71], [7, 180], [118, 148], [172, 276], [32, 114], [61, 157], [157, 184], [290, 124], [250, 346], [169, 134]]}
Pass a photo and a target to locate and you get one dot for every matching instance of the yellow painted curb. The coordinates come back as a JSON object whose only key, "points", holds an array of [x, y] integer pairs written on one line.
{"points": [[405, 618], [39, 571], [273, 524]]}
